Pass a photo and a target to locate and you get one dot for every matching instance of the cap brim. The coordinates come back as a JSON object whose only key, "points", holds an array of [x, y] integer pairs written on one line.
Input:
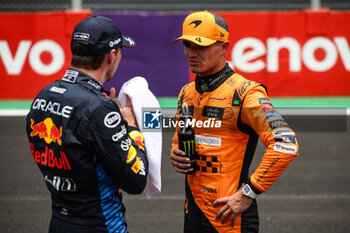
{"points": [[202, 41], [128, 42]]}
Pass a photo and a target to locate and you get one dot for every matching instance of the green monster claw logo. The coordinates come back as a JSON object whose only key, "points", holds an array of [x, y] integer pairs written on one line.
{"points": [[236, 102], [189, 147], [179, 104]]}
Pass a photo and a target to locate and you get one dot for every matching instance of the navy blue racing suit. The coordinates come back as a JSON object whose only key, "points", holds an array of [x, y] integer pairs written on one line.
{"points": [[87, 153]]}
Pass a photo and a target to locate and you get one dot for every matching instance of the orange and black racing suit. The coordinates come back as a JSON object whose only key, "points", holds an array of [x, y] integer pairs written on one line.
{"points": [[229, 113]]}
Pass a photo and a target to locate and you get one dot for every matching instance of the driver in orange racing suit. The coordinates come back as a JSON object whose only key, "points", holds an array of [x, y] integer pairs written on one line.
{"points": [[228, 114]]}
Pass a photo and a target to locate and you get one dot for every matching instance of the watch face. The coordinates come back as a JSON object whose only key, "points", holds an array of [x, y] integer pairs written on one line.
{"points": [[246, 189]]}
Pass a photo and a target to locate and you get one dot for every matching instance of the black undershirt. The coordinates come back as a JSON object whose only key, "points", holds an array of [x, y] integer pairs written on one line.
{"points": [[211, 82]]}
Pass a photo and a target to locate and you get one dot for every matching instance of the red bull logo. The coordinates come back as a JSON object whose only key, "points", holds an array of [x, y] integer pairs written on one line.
{"points": [[131, 154], [48, 158], [139, 142], [138, 138], [47, 130]]}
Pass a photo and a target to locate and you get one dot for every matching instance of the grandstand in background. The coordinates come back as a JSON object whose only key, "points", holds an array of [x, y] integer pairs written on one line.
{"points": [[169, 5]]}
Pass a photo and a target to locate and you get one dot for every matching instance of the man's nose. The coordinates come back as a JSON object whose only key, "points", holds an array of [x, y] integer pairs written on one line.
{"points": [[192, 52]]}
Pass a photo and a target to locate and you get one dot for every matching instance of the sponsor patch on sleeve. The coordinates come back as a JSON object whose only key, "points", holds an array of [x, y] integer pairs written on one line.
{"points": [[285, 139], [112, 119], [268, 108], [138, 167], [138, 138], [277, 123], [273, 116], [283, 130], [285, 148], [263, 101], [120, 134], [131, 154]]}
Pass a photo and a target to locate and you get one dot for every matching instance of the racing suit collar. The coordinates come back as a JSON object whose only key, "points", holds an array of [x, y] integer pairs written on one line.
{"points": [[211, 82], [77, 76]]}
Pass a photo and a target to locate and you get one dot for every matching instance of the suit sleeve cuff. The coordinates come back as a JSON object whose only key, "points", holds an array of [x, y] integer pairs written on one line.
{"points": [[132, 128], [253, 188]]}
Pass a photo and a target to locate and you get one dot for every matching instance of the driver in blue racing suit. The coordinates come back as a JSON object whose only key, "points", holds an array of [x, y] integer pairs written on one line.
{"points": [[86, 146]]}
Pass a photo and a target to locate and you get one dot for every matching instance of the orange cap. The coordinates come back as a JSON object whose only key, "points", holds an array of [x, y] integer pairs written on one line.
{"points": [[204, 28]]}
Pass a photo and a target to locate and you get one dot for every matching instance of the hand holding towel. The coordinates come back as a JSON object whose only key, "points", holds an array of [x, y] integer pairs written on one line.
{"points": [[141, 97]]}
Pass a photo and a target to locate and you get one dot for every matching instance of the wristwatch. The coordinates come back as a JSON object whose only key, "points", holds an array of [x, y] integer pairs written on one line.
{"points": [[247, 191]]}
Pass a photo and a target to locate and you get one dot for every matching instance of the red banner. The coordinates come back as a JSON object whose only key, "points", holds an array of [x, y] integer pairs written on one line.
{"points": [[299, 53], [302, 53], [34, 50]]}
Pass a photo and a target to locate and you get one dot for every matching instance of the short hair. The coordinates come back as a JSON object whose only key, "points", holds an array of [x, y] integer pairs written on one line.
{"points": [[86, 62]]}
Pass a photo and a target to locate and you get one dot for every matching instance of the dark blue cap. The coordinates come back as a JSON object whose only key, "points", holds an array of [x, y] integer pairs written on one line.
{"points": [[100, 35]]}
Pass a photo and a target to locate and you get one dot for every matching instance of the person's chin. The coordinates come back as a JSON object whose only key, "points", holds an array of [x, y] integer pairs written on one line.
{"points": [[194, 69]]}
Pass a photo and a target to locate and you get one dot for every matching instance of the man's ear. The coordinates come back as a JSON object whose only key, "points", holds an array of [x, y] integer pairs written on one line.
{"points": [[225, 46], [119, 54], [115, 54]]}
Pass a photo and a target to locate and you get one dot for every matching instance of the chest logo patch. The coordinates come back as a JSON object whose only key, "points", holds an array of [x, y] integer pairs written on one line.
{"points": [[214, 112]]}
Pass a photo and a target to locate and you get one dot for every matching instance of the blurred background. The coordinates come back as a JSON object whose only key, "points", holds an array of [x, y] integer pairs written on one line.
{"points": [[299, 49], [170, 5]]}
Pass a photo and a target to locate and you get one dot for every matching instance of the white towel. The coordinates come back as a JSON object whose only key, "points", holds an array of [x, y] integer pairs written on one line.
{"points": [[141, 97]]}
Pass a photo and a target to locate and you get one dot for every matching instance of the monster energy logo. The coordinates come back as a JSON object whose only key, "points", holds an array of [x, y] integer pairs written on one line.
{"points": [[236, 102], [204, 87], [189, 147], [179, 103]]}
